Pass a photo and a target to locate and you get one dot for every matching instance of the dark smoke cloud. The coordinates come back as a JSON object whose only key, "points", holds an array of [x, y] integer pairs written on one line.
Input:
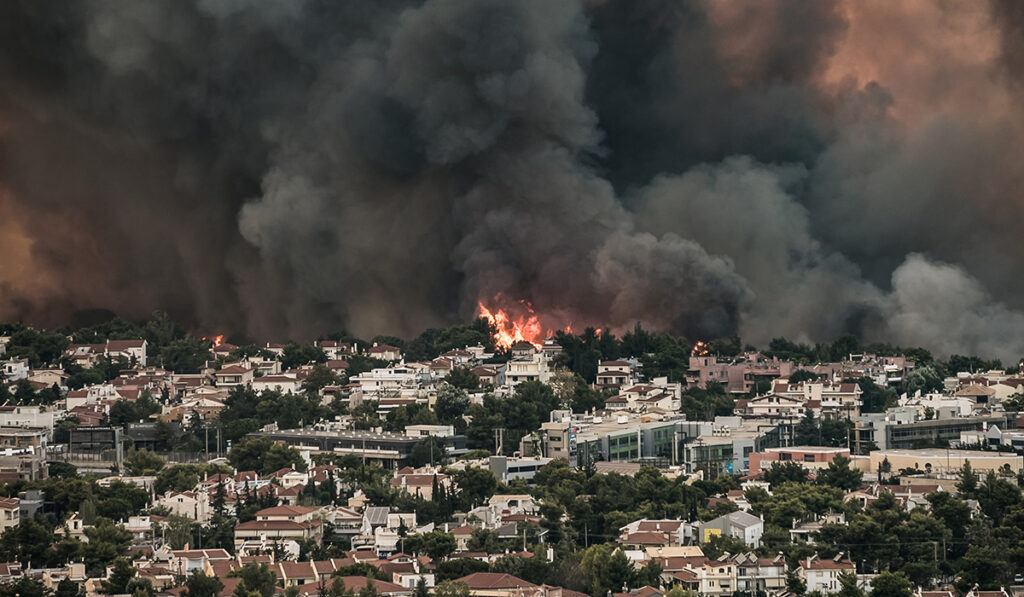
{"points": [[709, 168]]}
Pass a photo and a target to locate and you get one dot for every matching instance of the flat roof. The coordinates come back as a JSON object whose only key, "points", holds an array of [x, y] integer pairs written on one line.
{"points": [[819, 449], [941, 452]]}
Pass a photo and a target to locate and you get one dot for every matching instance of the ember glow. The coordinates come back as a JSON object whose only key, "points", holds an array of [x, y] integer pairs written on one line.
{"points": [[699, 349]]}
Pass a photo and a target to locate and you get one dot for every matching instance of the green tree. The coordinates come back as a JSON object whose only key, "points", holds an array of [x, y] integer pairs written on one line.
{"points": [[891, 584], [458, 567], [263, 455], [840, 474], [295, 355], [421, 588], [784, 472], [67, 588], [451, 588], [922, 379], [429, 450], [484, 540], [107, 541], [463, 378], [807, 432], [720, 544], [436, 544], [319, 378], [476, 485], [201, 585], [848, 585], [257, 578], [452, 402], [185, 355], [801, 375], [142, 462], [968, 483], [120, 575], [604, 568], [795, 584], [25, 586]]}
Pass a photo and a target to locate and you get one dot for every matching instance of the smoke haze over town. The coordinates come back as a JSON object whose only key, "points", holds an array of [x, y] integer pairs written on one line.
{"points": [[710, 168]]}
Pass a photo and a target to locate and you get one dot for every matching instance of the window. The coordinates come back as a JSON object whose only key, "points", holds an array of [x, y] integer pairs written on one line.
{"points": [[808, 457]]}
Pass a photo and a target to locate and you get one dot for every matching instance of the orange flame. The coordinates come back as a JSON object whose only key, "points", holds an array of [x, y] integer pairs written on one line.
{"points": [[217, 340], [699, 349], [510, 329]]}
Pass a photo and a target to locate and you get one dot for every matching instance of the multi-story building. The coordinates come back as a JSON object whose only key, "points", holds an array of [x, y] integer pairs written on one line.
{"points": [[904, 428], [23, 453], [837, 401], [756, 575], [738, 525], [739, 374], [30, 415], [10, 513], [376, 447], [714, 447]]}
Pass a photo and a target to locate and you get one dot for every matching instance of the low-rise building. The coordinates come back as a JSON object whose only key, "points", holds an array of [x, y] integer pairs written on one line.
{"points": [[822, 575], [738, 525], [809, 457]]}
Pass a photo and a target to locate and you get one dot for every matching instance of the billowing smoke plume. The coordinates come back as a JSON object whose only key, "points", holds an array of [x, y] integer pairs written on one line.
{"points": [[707, 167]]}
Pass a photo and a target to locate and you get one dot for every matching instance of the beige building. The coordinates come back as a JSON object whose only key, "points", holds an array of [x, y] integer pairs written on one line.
{"points": [[939, 460], [10, 513]]}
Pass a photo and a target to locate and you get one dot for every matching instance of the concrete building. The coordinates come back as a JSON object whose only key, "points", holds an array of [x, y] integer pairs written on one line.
{"points": [[905, 428], [809, 457], [939, 460], [388, 449], [510, 468], [10, 513], [739, 374], [714, 447], [23, 453], [738, 525]]}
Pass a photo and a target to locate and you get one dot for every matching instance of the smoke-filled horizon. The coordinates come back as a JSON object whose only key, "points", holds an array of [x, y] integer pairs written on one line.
{"points": [[710, 168]]}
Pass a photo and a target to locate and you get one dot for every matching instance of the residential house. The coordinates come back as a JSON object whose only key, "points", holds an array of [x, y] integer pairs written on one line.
{"points": [[493, 584], [756, 575], [614, 374], [278, 383], [15, 369], [133, 351], [739, 525], [233, 376], [10, 513], [420, 484], [822, 575], [194, 505], [384, 352]]}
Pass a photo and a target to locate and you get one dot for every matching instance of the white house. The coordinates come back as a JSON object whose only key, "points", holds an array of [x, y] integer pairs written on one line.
{"points": [[15, 369], [127, 350], [189, 504], [280, 383], [823, 575], [739, 525]]}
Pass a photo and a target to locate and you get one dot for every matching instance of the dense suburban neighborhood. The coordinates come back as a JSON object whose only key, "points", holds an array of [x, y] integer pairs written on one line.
{"points": [[136, 459]]}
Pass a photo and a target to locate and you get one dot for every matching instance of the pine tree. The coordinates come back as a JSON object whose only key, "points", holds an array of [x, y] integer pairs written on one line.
{"points": [[219, 499]]}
